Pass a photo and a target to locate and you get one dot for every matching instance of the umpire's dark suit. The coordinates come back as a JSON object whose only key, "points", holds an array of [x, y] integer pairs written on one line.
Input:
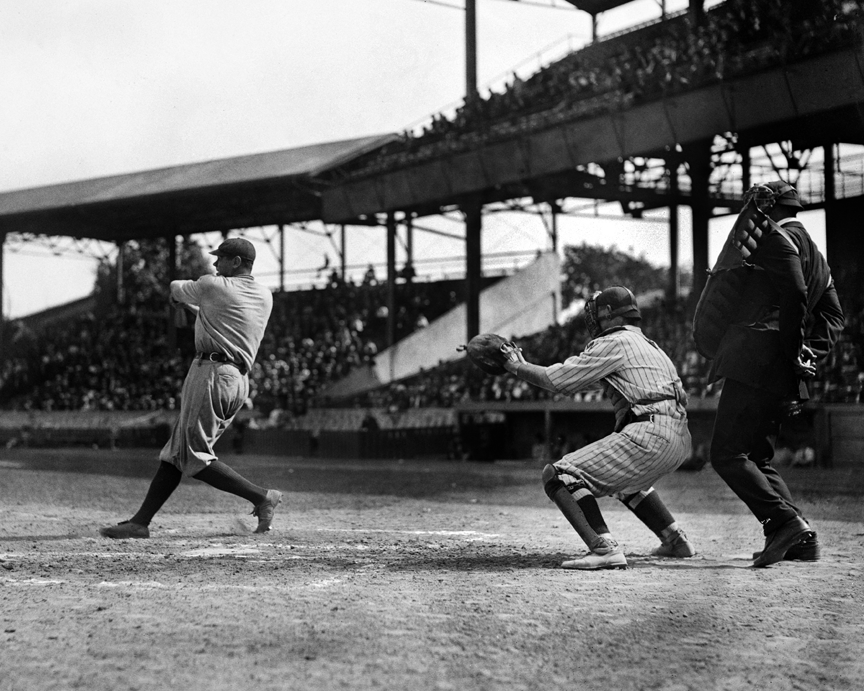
{"points": [[790, 301]]}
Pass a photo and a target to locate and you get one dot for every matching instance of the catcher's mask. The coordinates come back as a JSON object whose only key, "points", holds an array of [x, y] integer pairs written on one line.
{"points": [[616, 301], [766, 196]]}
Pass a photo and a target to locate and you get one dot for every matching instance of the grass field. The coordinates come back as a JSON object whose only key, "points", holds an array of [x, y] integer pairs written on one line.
{"points": [[409, 575]]}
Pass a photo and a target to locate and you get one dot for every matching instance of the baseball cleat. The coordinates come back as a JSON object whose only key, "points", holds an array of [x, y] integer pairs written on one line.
{"points": [[125, 530], [594, 561], [806, 550], [266, 509], [778, 543], [676, 547]]}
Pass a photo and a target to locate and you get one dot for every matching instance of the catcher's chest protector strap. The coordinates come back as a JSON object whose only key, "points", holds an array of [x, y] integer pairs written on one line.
{"points": [[727, 280]]}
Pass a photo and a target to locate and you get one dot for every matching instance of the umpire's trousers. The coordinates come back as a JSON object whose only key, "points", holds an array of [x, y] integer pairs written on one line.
{"points": [[742, 446]]}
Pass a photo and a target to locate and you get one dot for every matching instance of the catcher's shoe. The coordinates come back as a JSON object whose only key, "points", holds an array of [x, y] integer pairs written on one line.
{"points": [[125, 530], [778, 543], [611, 557], [806, 550], [677, 546], [266, 509]]}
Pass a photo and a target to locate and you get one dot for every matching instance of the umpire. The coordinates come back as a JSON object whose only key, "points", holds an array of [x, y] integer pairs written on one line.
{"points": [[788, 318], [232, 310]]}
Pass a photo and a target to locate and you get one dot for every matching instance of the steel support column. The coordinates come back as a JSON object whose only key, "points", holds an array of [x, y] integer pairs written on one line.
{"points": [[699, 159], [845, 251], [409, 247], [344, 252], [282, 258], [391, 279], [121, 252], [172, 276], [2, 299], [473, 266], [470, 50], [672, 286]]}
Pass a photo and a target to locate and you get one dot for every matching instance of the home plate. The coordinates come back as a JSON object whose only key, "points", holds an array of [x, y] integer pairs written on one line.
{"points": [[222, 551]]}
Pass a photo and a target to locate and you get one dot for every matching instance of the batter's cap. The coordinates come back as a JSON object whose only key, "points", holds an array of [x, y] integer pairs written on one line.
{"points": [[620, 301], [236, 247], [784, 193]]}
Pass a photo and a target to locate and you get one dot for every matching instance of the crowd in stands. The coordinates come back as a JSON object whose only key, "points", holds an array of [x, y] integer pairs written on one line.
{"points": [[840, 378], [459, 381], [118, 361], [122, 359], [318, 336], [733, 39]]}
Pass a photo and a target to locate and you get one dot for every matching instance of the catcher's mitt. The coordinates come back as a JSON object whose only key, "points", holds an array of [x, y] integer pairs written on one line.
{"points": [[489, 352]]}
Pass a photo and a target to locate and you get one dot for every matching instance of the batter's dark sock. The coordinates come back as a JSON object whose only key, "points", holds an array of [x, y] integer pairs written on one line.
{"points": [[223, 477], [591, 510], [161, 487], [650, 509]]}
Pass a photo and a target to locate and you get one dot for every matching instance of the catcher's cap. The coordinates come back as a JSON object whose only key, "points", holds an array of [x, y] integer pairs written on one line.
{"points": [[236, 247], [620, 301], [784, 193]]}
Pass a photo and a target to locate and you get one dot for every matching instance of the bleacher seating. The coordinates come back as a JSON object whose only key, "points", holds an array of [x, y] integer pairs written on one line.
{"points": [[115, 363], [840, 377], [736, 38], [119, 358]]}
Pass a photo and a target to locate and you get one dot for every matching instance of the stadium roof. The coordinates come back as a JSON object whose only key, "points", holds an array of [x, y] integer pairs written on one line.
{"points": [[597, 6], [257, 189]]}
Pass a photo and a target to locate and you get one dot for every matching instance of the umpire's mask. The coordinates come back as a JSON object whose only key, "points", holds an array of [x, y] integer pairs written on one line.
{"points": [[765, 197]]}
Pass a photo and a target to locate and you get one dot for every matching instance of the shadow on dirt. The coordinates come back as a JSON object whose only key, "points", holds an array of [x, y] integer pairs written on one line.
{"points": [[40, 538]]}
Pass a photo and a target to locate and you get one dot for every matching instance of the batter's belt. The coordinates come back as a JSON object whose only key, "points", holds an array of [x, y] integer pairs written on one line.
{"points": [[222, 358]]}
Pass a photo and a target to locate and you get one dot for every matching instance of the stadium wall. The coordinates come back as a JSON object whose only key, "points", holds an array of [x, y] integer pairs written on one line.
{"points": [[484, 431]]}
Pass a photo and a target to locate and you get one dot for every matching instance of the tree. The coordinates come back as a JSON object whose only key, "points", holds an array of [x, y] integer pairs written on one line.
{"points": [[588, 268], [146, 273]]}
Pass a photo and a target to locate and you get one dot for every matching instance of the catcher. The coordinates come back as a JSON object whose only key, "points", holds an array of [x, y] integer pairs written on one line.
{"points": [[650, 439]]}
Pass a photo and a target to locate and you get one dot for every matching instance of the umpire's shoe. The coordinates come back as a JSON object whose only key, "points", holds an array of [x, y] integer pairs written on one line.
{"points": [[266, 510], [125, 530], [806, 550], [609, 557], [778, 543]]}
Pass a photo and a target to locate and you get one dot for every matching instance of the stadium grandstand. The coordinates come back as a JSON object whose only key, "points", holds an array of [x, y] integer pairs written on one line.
{"points": [[670, 55], [105, 356]]}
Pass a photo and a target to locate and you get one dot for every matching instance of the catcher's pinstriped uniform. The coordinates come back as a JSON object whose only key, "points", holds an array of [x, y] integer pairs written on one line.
{"points": [[634, 368], [232, 316], [650, 437]]}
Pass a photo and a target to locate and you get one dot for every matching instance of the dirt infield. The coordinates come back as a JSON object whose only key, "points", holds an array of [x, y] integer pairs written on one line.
{"points": [[416, 575]]}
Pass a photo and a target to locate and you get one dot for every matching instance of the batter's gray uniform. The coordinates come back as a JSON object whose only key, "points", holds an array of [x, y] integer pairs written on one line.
{"points": [[232, 315], [638, 376]]}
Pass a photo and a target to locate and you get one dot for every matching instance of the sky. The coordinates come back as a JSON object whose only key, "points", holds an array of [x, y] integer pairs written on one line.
{"points": [[104, 87]]}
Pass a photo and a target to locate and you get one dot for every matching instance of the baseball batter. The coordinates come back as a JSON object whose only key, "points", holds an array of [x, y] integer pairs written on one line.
{"points": [[651, 436], [232, 311]]}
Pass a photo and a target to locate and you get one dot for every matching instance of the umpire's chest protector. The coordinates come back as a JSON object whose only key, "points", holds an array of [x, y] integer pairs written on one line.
{"points": [[734, 287]]}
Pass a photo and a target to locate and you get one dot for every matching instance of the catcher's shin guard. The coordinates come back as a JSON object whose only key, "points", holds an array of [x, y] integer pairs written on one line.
{"points": [[650, 509], [557, 491]]}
